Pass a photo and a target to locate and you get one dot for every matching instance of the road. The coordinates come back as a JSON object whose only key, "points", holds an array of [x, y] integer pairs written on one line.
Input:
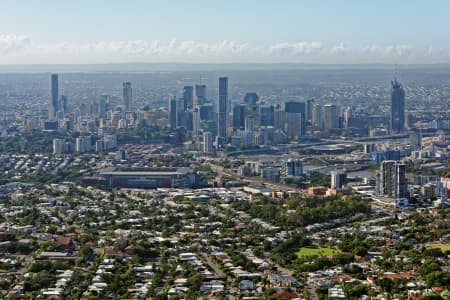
{"points": [[312, 293], [219, 273], [277, 186]]}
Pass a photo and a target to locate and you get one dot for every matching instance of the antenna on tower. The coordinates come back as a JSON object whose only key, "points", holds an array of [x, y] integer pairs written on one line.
{"points": [[395, 72]]}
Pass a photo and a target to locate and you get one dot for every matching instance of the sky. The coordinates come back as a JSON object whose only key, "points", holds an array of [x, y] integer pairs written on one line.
{"points": [[219, 31]]}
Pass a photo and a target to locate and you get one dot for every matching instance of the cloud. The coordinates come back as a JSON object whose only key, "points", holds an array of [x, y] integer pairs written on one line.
{"points": [[339, 49], [295, 49], [10, 43], [22, 49], [390, 50]]}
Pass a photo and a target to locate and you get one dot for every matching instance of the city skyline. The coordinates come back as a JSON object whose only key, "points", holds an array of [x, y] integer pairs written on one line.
{"points": [[203, 32]]}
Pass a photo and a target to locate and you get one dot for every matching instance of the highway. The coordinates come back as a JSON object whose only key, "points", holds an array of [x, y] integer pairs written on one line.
{"points": [[256, 180]]}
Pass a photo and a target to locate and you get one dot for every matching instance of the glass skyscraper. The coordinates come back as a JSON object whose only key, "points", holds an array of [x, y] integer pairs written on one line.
{"points": [[127, 96], [397, 107], [222, 107], [55, 97]]}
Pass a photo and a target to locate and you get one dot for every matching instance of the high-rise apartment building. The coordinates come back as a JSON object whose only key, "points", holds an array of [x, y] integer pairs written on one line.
{"points": [[293, 168], [83, 144], [207, 142], [338, 179], [58, 146], [393, 181]]}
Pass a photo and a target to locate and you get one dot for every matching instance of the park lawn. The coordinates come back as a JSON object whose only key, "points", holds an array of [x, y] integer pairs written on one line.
{"points": [[443, 247], [308, 252]]}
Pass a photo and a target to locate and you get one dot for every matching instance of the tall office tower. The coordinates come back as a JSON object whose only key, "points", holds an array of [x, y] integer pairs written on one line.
{"points": [[127, 96], [200, 94], [293, 126], [279, 119], [338, 179], [172, 112], [317, 116], [207, 112], [266, 115], [251, 98], [63, 105], [330, 116], [207, 142], [397, 107], [188, 97], [293, 168], [195, 123], [55, 97], [309, 110], [180, 109], [222, 110], [104, 99], [393, 181], [297, 107], [249, 124], [238, 116], [186, 120]]}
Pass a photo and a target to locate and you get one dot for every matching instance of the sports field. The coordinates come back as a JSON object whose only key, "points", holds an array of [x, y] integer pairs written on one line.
{"points": [[443, 247], [308, 252]]}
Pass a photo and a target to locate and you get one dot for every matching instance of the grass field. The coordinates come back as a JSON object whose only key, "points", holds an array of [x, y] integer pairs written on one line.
{"points": [[443, 247], [308, 252]]}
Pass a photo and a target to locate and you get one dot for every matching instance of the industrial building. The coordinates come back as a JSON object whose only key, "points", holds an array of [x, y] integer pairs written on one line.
{"points": [[149, 178]]}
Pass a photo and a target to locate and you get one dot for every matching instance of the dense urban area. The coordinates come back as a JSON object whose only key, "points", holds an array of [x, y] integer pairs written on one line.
{"points": [[265, 183]]}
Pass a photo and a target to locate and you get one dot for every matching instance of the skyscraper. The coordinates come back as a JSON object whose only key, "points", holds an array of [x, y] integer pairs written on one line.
{"points": [[393, 182], [55, 97], [222, 107], [188, 97], [180, 109], [330, 116], [317, 116], [195, 123], [338, 179], [279, 118], [63, 106], [104, 100], [309, 110], [294, 124], [266, 115], [397, 107], [127, 96], [238, 116], [172, 112], [293, 168], [251, 98], [207, 142], [200, 94], [300, 108]]}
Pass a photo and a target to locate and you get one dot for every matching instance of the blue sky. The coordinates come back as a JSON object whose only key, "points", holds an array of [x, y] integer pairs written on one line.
{"points": [[99, 31]]}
